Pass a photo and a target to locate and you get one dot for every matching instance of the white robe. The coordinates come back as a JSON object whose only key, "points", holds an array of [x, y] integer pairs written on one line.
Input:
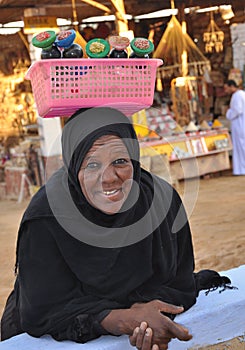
{"points": [[236, 115]]}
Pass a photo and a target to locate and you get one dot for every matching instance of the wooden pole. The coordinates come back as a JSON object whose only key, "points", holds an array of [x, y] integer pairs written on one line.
{"points": [[121, 21], [98, 5], [74, 14], [184, 56]]}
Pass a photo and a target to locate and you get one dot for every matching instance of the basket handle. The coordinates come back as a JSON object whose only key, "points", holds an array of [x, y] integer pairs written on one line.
{"points": [[45, 71], [43, 67], [159, 62]]}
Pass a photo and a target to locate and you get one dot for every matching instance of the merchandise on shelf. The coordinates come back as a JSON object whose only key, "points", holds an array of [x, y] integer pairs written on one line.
{"points": [[161, 120], [193, 144], [193, 154], [204, 125], [191, 126]]}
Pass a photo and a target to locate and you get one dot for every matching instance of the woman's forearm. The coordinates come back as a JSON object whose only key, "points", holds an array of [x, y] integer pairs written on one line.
{"points": [[119, 322]]}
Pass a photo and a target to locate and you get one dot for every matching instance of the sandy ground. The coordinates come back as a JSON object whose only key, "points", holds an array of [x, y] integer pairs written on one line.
{"points": [[218, 223], [217, 220]]}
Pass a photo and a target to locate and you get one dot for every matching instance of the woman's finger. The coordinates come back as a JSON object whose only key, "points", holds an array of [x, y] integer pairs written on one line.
{"points": [[169, 308], [178, 331], [133, 337], [146, 344], [141, 334], [155, 347]]}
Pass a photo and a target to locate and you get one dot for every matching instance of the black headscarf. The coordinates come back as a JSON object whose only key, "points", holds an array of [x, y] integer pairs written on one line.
{"points": [[99, 122], [144, 208]]}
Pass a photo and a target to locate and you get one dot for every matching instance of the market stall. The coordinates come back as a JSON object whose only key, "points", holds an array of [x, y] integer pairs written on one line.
{"points": [[194, 142], [188, 153], [195, 153]]}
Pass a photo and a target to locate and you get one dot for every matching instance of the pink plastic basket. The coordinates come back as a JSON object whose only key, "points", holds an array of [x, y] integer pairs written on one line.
{"points": [[62, 86]]}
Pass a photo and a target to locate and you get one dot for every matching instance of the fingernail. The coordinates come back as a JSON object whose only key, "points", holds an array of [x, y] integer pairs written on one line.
{"points": [[148, 332], [136, 331], [143, 325], [180, 307]]}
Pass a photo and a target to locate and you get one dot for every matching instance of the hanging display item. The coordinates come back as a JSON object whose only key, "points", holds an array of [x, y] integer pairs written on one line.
{"points": [[190, 99], [213, 37], [172, 46]]}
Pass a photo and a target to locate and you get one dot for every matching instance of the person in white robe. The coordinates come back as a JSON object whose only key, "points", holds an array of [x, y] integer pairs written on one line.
{"points": [[236, 115]]}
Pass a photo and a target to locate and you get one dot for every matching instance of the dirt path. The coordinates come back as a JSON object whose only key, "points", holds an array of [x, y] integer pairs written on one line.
{"points": [[11, 213], [218, 223]]}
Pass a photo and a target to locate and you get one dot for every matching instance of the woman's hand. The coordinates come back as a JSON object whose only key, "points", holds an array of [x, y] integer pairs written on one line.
{"points": [[163, 328], [142, 338]]}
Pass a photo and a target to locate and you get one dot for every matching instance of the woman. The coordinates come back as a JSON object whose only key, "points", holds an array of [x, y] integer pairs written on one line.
{"points": [[103, 248]]}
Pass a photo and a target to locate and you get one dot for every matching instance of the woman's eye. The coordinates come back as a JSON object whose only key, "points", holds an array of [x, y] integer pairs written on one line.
{"points": [[92, 165], [120, 161]]}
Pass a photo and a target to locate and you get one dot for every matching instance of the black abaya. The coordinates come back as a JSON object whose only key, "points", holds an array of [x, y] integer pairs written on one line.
{"points": [[66, 284]]}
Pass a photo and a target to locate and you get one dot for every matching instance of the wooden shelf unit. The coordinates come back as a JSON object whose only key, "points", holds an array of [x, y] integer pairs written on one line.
{"points": [[193, 154]]}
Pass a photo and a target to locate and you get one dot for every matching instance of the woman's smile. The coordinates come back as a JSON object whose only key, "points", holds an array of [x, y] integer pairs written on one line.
{"points": [[111, 193]]}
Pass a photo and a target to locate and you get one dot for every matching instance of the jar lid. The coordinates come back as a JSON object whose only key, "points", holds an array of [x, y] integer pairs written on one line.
{"points": [[142, 46], [119, 42], [44, 39], [97, 48], [65, 38]]}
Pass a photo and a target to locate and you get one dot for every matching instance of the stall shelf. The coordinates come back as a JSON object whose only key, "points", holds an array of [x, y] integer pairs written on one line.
{"points": [[193, 154]]}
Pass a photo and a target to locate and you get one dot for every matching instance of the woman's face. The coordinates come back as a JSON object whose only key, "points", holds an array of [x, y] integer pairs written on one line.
{"points": [[106, 174]]}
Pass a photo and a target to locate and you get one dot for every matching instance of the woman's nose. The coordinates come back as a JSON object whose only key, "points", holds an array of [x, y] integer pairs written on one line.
{"points": [[109, 174]]}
